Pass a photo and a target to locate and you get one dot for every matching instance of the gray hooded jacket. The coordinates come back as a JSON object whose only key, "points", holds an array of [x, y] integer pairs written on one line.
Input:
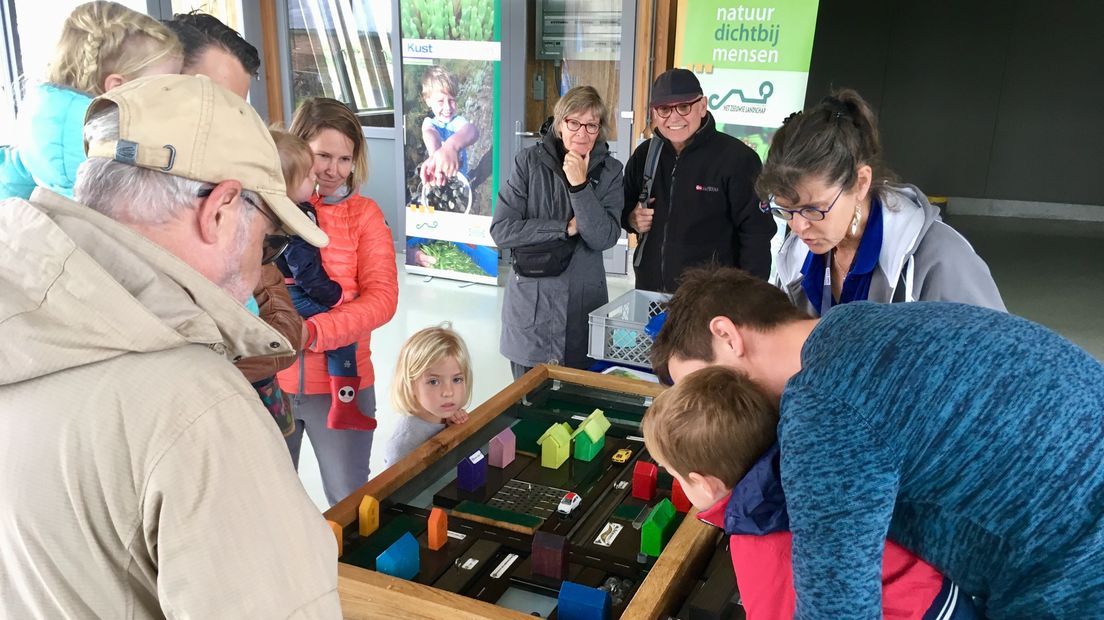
{"points": [[544, 320], [921, 259]]}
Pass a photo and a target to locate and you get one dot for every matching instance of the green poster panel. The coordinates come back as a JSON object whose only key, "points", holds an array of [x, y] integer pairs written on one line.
{"points": [[451, 55], [752, 58]]}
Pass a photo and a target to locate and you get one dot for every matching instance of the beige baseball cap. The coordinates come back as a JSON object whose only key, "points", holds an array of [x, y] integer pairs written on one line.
{"points": [[188, 126]]}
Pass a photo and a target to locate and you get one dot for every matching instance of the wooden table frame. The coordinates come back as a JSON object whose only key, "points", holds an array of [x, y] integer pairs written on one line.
{"points": [[368, 594]]}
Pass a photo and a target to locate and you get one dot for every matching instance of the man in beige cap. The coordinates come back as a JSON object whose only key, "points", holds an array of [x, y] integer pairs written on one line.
{"points": [[139, 474]]}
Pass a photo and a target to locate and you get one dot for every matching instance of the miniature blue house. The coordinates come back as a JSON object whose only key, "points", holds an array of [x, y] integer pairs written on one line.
{"points": [[471, 473], [590, 436], [401, 559], [555, 445], [502, 449], [578, 602]]}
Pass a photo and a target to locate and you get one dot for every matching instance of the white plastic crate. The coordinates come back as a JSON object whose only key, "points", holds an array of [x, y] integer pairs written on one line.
{"points": [[617, 328]]}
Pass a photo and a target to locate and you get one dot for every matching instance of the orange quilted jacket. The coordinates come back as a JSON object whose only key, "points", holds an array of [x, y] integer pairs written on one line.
{"points": [[361, 258]]}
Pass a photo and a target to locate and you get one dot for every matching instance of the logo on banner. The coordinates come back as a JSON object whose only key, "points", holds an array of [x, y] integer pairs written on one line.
{"points": [[747, 104]]}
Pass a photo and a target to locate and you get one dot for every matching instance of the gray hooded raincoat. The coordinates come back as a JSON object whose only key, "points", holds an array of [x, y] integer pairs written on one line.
{"points": [[544, 320]]}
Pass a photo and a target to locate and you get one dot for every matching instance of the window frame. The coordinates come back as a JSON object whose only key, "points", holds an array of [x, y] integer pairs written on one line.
{"points": [[345, 82]]}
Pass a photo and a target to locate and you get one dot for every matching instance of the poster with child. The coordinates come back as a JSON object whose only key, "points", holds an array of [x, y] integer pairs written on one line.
{"points": [[450, 75]]}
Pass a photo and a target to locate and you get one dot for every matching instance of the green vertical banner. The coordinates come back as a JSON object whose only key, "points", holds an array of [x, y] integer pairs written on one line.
{"points": [[451, 53], [752, 58]]}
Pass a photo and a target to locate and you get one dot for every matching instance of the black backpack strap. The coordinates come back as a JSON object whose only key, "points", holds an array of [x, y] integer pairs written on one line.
{"points": [[651, 163]]}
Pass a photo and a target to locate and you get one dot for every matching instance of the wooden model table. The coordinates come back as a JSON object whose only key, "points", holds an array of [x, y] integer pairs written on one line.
{"points": [[485, 565]]}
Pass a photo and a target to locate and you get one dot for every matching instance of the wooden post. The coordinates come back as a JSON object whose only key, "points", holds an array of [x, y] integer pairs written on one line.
{"points": [[642, 73], [270, 55]]}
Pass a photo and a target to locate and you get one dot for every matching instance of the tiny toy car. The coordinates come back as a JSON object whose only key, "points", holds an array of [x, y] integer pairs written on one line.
{"points": [[622, 456], [569, 503]]}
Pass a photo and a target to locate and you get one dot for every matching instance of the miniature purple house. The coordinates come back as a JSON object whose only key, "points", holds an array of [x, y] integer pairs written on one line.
{"points": [[471, 473], [502, 448], [549, 557]]}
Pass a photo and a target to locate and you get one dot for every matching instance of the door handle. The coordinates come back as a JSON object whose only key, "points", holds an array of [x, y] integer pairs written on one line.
{"points": [[528, 134]]}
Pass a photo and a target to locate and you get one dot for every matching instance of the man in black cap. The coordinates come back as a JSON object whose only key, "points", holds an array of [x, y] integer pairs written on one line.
{"points": [[703, 208]]}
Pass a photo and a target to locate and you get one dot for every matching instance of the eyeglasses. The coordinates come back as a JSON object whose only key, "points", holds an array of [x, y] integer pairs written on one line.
{"points": [[812, 214], [274, 244], [663, 111], [574, 125]]}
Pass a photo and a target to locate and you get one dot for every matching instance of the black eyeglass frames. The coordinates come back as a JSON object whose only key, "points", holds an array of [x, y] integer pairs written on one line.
{"points": [[574, 125], [812, 214], [664, 111], [274, 243]]}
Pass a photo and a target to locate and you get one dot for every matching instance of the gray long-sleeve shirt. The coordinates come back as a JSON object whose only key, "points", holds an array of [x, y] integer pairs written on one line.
{"points": [[408, 434]]}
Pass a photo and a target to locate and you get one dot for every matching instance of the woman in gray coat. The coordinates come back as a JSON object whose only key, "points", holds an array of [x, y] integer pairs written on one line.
{"points": [[558, 212]]}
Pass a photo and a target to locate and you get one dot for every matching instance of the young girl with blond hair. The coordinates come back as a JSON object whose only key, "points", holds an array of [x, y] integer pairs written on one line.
{"points": [[432, 385], [102, 45]]}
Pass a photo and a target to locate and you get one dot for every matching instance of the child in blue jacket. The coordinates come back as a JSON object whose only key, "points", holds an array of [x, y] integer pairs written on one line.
{"points": [[49, 137], [310, 287]]}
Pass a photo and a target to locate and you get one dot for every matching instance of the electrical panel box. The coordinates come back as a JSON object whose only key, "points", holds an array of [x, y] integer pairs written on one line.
{"points": [[578, 30]]}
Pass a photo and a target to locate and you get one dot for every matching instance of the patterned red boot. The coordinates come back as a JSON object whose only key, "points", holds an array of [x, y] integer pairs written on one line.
{"points": [[344, 413]]}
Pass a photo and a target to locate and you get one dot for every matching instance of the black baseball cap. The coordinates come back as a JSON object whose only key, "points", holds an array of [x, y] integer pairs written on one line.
{"points": [[675, 86]]}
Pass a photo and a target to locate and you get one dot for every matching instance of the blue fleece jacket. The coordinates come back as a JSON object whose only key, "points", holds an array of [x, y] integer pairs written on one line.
{"points": [[973, 438], [48, 145]]}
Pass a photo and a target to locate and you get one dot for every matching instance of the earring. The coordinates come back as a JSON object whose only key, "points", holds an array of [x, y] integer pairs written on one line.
{"points": [[855, 220]]}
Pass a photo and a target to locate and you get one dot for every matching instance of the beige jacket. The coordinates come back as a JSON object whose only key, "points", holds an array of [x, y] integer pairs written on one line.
{"points": [[140, 476]]}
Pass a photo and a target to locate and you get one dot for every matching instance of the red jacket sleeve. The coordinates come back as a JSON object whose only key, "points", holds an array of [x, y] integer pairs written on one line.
{"points": [[764, 574], [377, 287]]}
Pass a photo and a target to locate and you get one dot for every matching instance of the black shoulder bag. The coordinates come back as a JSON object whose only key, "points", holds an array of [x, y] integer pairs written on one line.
{"points": [[548, 258], [544, 260]]}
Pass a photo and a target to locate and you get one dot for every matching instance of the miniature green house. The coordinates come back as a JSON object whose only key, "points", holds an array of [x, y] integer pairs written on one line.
{"points": [[657, 529], [555, 445], [590, 436]]}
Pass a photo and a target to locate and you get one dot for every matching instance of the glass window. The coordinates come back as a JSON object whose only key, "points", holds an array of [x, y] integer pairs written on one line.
{"points": [[39, 30], [342, 49]]}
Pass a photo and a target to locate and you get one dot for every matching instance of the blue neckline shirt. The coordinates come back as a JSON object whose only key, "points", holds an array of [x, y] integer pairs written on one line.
{"points": [[856, 286]]}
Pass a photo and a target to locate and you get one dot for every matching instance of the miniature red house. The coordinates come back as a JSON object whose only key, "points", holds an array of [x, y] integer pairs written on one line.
{"points": [[644, 480], [549, 558], [437, 533], [678, 497], [501, 451]]}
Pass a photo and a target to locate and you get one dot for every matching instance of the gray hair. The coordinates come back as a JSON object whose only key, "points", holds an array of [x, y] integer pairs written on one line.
{"points": [[132, 194], [581, 99]]}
